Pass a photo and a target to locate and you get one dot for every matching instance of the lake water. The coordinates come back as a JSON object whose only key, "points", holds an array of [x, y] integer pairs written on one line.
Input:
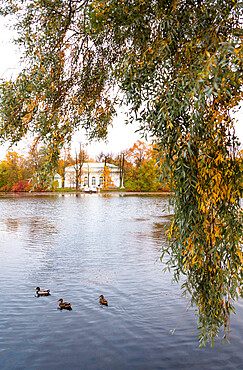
{"points": [[83, 246]]}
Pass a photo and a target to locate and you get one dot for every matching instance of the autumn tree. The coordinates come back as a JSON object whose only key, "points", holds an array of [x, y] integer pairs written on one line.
{"points": [[142, 170], [3, 175], [107, 181], [37, 159], [80, 158], [12, 170], [23, 170], [106, 158], [121, 165], [118, 160], [179, 67], [65, 160], [138, 153]]}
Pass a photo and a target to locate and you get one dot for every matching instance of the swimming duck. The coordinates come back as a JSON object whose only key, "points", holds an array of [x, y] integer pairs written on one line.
{"points": [[103, 300], [65, 305], [42, 292]]}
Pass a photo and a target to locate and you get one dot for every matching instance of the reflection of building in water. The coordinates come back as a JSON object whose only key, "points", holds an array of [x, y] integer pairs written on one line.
{"points": [[34, 229], [92, 175]]}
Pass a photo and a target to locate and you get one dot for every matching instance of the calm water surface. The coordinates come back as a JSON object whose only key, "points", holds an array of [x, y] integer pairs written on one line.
{"points": [[81, 247]]}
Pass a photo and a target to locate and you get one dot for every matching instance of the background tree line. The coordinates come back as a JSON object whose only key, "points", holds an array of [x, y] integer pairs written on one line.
{"points": [[139, 168]]}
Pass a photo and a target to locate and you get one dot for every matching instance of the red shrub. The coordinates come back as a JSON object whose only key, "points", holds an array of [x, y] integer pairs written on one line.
{"points": [[22, 186]]}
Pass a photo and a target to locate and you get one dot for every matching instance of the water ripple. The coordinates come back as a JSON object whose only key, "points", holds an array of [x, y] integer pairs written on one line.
{"points": [[81, 247]]}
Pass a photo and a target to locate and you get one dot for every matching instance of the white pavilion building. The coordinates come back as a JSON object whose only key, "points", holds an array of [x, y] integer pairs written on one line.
{"points": [[91, 175]]}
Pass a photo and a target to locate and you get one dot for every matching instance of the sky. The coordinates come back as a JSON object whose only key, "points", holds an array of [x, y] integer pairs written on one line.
{"points": [[120, 136]]}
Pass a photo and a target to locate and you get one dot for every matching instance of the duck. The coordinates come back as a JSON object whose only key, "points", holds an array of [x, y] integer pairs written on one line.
{"points": [[42, 292], [64, 305], [103, 300]]}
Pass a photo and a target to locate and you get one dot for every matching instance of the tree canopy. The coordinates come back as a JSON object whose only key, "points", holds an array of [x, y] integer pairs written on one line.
{"points": [[178, 64]]}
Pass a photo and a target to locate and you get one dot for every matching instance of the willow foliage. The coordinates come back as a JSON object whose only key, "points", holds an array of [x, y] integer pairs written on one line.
{"points": [[63, 84], [179, 65]]}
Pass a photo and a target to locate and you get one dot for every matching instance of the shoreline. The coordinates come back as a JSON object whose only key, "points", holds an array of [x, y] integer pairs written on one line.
{"points": [[125, 193]]}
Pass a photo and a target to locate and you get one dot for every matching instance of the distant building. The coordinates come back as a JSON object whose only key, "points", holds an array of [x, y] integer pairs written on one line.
{"points": [[91, 175]]}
